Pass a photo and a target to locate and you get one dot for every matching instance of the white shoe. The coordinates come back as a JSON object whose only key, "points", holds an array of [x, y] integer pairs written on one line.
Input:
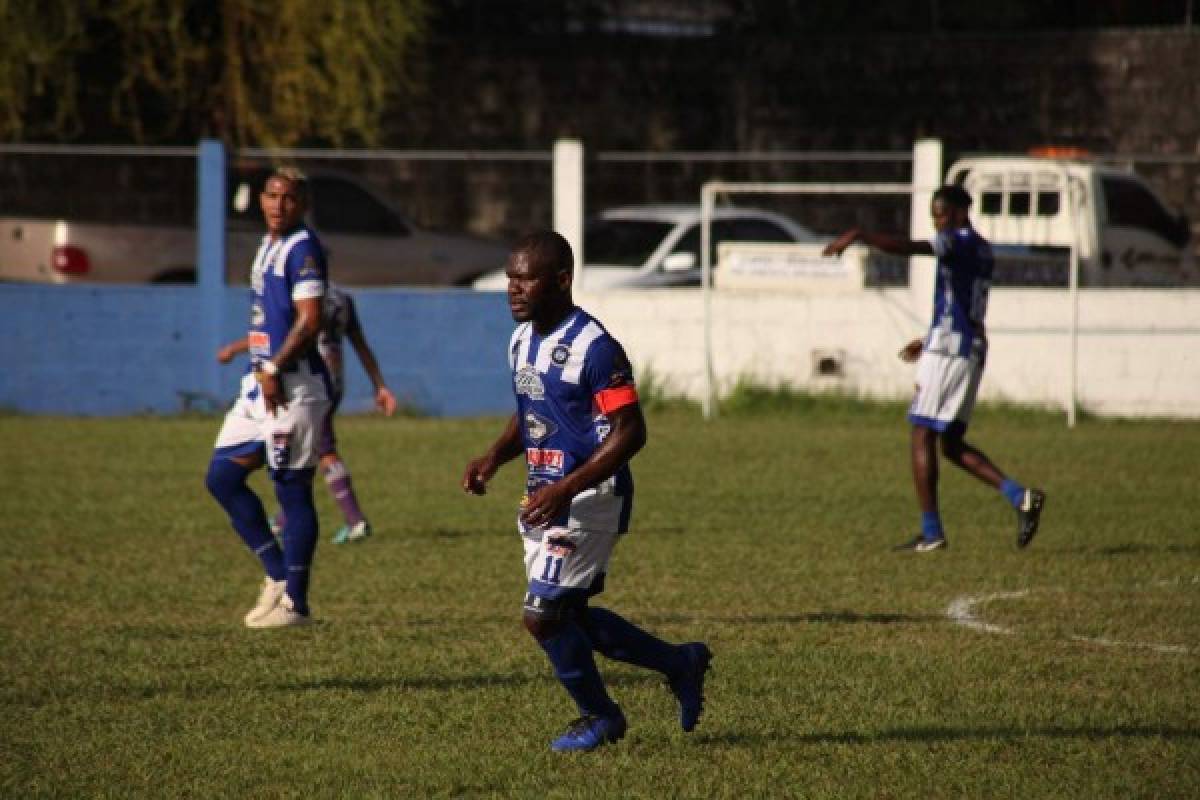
{"points": [[283, 615], [268, 599], [352, 533]]}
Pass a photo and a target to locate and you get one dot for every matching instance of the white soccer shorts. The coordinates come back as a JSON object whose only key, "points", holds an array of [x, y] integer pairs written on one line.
{"points": [[946, 389], [290, 436], [562, 561]]}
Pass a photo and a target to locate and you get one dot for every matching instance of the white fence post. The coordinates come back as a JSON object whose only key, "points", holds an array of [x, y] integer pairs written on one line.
{"points": [[926, 178], [568, 197]]}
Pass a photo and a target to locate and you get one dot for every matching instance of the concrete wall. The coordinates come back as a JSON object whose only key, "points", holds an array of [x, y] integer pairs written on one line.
{"points": [[148, 349], [1138, 352], [126, 350]]}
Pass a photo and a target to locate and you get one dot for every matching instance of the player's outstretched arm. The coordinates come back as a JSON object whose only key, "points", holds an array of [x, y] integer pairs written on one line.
{"points": [[481, 470], [385, 401], [627, 437], [888, 243], [226, 353]]}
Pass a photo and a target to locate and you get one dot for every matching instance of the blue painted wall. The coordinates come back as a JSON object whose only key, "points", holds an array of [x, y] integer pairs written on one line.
{"points": [[149, 349]]}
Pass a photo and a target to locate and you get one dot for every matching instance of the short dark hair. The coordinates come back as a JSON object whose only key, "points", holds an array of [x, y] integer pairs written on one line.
{"points": [[293, 175], [953, 195], [548, 248]]}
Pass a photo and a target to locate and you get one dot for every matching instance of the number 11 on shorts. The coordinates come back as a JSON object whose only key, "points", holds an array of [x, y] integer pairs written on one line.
{"points": [[553, 569]]}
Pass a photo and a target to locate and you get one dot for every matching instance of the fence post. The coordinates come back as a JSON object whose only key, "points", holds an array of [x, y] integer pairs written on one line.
{"points": [[926, 178], [568, 197], [210, 253]]}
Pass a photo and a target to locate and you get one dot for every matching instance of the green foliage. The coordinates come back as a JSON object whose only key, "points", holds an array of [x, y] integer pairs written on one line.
{"points": [[126, 672], [253, 72], [38, 83]]}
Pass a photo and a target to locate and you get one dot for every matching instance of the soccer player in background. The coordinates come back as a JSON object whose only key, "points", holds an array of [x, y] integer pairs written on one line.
{"points": [[339, 322], [276, 418], [950, 363], [578, 423]]}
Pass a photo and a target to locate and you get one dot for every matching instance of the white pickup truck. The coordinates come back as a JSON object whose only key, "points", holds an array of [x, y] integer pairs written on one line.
{"points": [[1033, 210], [369, 243]]}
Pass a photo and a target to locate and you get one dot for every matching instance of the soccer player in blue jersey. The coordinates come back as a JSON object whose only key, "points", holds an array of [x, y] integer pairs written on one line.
{"points": [[277, 416], [578, 423], [339, 322], [950, 363]]}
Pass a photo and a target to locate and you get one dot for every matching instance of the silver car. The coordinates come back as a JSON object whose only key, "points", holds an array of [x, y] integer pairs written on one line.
{"points": [[652, 246]]}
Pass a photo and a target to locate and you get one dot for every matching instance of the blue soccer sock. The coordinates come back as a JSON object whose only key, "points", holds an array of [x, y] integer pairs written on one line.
{"points": [[226, 481], [1014, 491], [293, 488], [617, 638], [575, 667], [931, 525]]}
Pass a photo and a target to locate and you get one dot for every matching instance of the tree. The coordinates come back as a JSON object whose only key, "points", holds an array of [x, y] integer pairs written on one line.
{"points": [[38, 84], [252, 72]]}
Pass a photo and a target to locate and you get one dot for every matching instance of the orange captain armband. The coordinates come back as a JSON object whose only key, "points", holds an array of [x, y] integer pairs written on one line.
{"points": [[609, 400]]}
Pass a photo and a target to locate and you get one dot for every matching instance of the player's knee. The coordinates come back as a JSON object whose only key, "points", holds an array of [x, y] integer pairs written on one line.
{"points": [[294, 492], [224, 477], [333, 468], [544, 617]]}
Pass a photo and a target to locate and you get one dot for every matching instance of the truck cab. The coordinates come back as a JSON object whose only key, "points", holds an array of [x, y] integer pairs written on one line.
{"points": [[1034, 208]]}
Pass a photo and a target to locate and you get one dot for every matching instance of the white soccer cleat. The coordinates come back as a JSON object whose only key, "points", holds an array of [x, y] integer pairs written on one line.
{"points": [[352, 533], [268, 599], [284, 615]]}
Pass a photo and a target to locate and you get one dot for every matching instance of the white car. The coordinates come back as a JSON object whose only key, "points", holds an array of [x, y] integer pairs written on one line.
{"points": [[648, 246]]}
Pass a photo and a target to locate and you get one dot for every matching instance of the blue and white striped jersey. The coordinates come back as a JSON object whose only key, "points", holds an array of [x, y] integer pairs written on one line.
{"points": [[565, 383], [960, 297], [289, 268]]}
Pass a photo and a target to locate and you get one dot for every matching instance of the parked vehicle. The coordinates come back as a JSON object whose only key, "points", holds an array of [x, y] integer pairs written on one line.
{"points": [[659, 246], [369, 242], [1033, 209]]}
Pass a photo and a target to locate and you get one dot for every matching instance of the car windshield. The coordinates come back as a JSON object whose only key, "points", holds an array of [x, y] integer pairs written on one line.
{"points": [[622, 242]]}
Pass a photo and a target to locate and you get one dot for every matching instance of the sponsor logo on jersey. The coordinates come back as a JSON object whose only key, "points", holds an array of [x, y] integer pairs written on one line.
{"points": [[529, 383], [560, 354], [537, 428], [259, 342], [257, 315], [545, 460], [309, 268]]}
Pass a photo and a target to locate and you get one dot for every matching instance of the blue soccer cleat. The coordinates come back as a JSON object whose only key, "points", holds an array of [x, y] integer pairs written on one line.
{"points": [[589, 732], [688, 688]]}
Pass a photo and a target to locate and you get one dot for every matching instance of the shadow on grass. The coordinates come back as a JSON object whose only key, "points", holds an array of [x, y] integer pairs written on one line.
{"points": [[1140, 548], [425, 683], [945, 734], [804, 618]]}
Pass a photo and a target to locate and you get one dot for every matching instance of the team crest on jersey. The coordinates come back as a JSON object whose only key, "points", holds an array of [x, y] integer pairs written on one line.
{"points": [[529, 383], [537, 428], [560, 354]]}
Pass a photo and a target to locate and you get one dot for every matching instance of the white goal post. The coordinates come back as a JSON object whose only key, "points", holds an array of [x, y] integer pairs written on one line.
{"points": [[927, 176]]}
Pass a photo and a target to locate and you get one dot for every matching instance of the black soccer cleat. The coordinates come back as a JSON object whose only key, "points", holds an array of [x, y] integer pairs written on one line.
{"points": [[922, 545], [1029, 515]]}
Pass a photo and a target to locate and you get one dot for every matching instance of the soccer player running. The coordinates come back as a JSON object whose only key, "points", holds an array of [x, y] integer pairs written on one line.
{"points": [[578, 423], [950, 364], [339, 322], [276, 418]]}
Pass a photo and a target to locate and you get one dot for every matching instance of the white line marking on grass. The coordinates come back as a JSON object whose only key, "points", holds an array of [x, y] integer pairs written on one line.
{"points": [[1158, 648], [961, 611]]}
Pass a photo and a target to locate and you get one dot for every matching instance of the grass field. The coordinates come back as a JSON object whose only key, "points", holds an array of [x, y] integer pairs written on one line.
{"points": [[838, 673]]}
